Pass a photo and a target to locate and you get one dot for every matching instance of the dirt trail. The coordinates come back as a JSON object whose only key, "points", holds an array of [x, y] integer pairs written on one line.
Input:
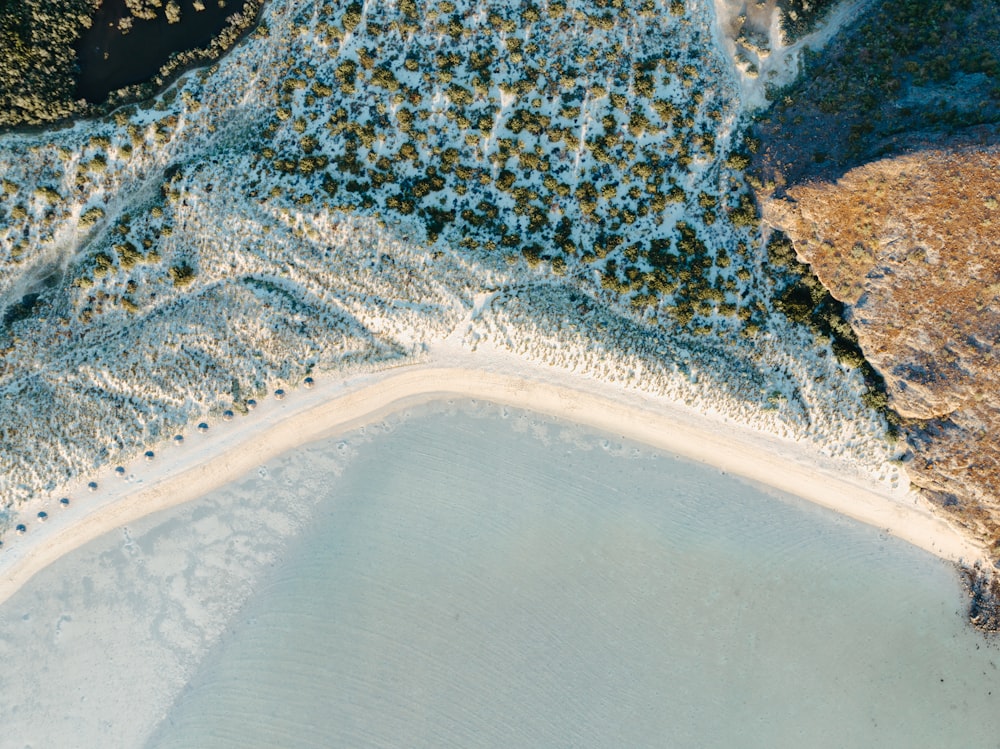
{"points": [[756, 47]]}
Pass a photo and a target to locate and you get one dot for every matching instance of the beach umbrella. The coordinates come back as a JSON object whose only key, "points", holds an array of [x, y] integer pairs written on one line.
{"points": [[251, 404], [21, 528], [309, 382], [279, 394], [64, 502], [227, 415], [120, 472], [92, 486], [149, 456], [43, 516], [203, 427], [178, 439]]}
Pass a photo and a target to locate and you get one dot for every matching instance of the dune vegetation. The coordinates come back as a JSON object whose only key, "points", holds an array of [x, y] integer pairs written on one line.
{"points": [[358, 182]]}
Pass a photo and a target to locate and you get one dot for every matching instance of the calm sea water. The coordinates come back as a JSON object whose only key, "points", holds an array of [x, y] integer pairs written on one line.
{"points": [[473, 576], [504, 581]]}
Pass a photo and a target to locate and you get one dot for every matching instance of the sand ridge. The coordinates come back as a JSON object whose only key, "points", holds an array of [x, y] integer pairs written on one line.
{"points": [[232, 449]]}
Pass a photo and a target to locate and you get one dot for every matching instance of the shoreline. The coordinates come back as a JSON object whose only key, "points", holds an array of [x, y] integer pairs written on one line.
{"points": [[232, 449]]}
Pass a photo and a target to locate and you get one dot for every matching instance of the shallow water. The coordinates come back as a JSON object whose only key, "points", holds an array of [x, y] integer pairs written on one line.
{"points": [[473, 576], [484, 581]]}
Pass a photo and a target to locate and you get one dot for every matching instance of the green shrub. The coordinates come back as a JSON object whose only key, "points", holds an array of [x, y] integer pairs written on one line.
{"points": [[48, 193], [102, 264], [458, 96], [745, 214], [91, 216], [385, 78], [505, 180], [352, 15], [128, 255], [847, 354], [738, 161], [97, 164], [181, 274]]}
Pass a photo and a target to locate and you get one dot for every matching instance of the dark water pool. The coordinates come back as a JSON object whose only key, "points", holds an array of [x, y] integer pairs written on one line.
{"points": [[110, 59]]}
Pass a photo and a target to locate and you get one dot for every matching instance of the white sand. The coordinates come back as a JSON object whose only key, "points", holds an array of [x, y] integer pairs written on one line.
{"points": [[784, 62], [229, 450]]}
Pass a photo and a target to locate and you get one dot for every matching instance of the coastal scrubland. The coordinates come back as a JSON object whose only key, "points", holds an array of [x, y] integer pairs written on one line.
{"points": [[904, 76], [357, 182], [799, 17]]}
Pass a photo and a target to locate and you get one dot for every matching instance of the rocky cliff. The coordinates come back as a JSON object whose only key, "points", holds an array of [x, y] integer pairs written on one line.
{"points": [[911, 245]]}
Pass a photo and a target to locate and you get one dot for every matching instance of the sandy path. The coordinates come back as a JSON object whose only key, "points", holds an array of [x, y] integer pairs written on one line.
{"points": [[232, 449], [783, 63]]}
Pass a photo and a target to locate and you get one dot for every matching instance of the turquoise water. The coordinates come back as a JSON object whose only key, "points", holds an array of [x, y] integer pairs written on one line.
{"points": [[482, 577]]}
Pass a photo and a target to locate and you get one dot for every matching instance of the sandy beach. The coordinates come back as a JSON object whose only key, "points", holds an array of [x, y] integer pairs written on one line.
{"points": [[229, 450]]}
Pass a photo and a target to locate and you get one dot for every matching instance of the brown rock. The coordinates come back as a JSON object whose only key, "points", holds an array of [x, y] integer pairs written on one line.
{"points": [[912, 246]]}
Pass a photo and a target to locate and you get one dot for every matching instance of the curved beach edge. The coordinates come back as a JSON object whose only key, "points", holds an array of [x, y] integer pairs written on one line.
{"points": [[233, 449]]}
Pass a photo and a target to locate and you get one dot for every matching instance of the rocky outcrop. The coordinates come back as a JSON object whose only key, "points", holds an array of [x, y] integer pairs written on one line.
{"points": [[911, 245]]}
